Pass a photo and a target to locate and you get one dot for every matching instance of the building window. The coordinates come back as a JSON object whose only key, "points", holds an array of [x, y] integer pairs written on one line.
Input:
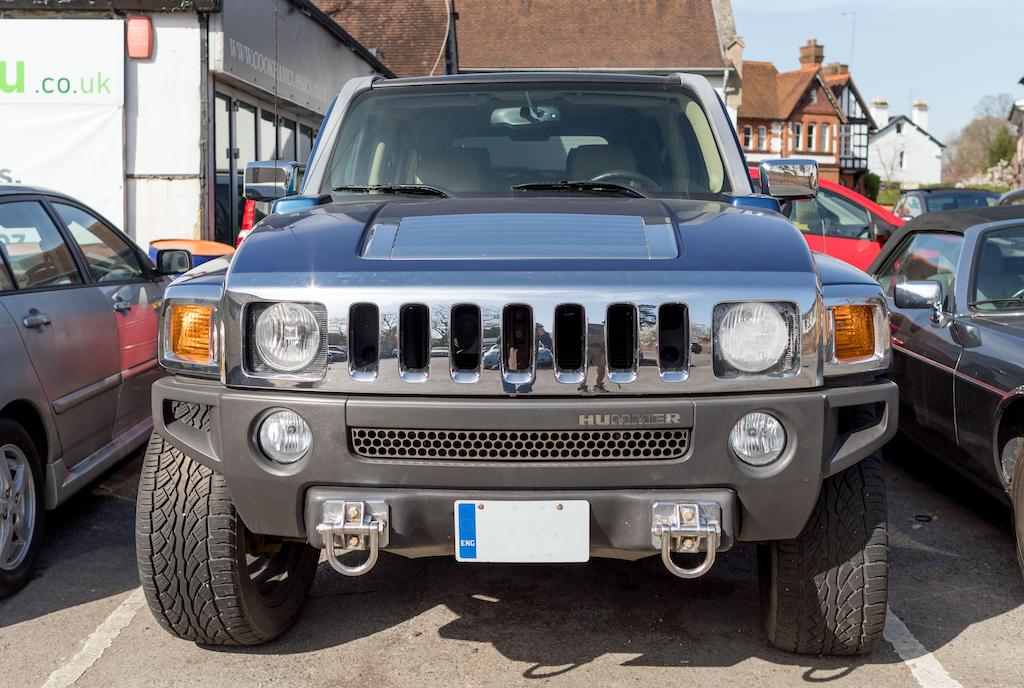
{"points": [[795, 132], [902, 165], [814, 96], [826, 138], [746, 136], [810, 135], [899, 128], [762, 138]]}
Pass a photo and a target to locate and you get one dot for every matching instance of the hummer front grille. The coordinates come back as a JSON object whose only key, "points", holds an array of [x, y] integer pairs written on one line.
{"points": [[523, 445]]}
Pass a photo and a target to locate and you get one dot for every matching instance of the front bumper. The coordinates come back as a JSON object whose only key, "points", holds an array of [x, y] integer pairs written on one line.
{"points": [[758, 504]]}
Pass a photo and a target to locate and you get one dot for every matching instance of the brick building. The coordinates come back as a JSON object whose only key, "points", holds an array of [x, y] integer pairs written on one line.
{"points": [[792, 113]]}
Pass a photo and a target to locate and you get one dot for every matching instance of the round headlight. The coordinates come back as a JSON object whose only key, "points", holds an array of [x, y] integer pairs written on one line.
{"points": [[758, 438], [287, 337], [285, 436], [752, 337]]}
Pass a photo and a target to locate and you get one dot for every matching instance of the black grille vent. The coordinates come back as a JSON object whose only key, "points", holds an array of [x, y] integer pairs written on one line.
{"points": [[364, 333], [465, 338], [519, 445], [517, 338], [570, 337], [414, 337], [673, 337], [622, 337]]}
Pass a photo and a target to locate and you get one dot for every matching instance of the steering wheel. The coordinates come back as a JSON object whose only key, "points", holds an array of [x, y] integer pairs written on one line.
{"points": [[628, 175]]}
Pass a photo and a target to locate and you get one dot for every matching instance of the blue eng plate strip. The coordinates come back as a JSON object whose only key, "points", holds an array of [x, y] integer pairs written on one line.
{"points": [[467, 531]]}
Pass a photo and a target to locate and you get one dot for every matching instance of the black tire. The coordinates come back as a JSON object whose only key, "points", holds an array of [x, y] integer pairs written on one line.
{"points": [[824, 592], [15, 578], [194, 555], [1017, 498]]}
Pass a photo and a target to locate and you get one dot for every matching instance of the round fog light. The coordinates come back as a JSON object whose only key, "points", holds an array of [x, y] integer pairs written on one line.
{"points": [[285, 436], [758, 438]]}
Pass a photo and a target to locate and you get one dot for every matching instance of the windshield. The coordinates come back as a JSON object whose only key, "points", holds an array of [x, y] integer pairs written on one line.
{"points": [[952, 200], [485, 139], [999, 275]]}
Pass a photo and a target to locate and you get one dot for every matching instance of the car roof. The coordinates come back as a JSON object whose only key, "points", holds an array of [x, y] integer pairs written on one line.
{"points": [[947, 190], [953, 221], [524, 77], [17, 189]]}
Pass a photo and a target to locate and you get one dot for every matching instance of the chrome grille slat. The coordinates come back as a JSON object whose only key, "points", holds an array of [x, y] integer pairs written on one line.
{"points": [[519, 445]]}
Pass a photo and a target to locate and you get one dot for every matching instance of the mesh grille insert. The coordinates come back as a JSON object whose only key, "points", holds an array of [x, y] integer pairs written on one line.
{"points": [[519, 445]]}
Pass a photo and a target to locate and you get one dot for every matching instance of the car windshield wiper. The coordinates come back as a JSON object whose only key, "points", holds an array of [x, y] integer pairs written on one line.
{"points": [[422, 189], [1009, 299], [582, 185]]}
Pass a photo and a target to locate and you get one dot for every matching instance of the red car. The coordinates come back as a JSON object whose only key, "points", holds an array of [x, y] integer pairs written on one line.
{"points": [[842, 223]]}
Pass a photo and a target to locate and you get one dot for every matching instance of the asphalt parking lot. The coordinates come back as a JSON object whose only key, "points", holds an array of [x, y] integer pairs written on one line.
{"points": [[956, 613]]}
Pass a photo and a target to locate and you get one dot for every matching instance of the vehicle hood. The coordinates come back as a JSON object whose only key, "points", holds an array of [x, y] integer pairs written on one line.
{"points": [[556, 233], [834, 271]]}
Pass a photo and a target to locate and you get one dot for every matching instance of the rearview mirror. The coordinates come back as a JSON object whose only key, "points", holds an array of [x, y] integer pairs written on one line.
{"points": [[268, 181], [788, 179], [173, 261], [918, 294]]}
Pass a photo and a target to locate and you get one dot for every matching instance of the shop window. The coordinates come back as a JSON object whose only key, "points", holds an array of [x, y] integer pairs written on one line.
{"points": [[245, 135], [222, 132], [286, 134], [305, 143], [268, 136]]}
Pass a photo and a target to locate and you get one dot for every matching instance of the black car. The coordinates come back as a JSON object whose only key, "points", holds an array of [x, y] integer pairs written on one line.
{"points": [[919, 201], [955, 286]]}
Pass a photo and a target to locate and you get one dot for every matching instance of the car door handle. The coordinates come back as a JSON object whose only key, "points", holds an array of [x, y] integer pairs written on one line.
{"points": [[36, 321], [122, 306]]}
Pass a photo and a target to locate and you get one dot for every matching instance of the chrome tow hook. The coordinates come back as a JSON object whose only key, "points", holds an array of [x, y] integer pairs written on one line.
{"points": [[684, 528], [358, 526]]}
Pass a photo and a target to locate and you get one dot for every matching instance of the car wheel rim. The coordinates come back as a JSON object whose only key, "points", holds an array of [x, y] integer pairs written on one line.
{"points": [[1008, 458], [17, 507]]}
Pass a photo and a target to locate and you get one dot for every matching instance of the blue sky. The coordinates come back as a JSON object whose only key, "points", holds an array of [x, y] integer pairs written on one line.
{"points": [[950, 53]]}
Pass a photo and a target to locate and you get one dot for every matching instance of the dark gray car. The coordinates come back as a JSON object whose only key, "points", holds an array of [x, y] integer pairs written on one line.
{"points": [[79, 307], [675, 374]]}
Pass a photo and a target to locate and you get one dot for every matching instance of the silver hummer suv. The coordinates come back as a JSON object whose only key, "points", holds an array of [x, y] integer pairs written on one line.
{"points": [[521, 318]]}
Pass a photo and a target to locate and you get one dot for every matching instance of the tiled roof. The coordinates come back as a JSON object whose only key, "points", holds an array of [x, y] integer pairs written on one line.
{"points": [[406, 35], [770, 94], [582, 34]]}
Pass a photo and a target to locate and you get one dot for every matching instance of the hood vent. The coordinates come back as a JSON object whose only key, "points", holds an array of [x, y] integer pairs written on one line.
{"points": [[522, 236]]}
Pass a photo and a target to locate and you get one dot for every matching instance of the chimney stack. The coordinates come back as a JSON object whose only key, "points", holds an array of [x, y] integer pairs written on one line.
{"points": [[919, 115], [880, 111], [835, 68], [812, 54]]}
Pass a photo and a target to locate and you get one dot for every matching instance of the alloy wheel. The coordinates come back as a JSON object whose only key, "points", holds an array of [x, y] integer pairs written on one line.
{"points": [[17, 507]]}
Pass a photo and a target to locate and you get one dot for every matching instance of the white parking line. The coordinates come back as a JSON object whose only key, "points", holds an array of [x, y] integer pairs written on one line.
{"points": [[927, 670], [98, 642]]}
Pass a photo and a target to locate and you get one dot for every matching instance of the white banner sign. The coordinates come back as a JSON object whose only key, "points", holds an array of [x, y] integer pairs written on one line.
{"points": [[62, 108]]}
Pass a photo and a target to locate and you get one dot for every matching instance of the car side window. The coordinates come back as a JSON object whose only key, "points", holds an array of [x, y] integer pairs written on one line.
{"points": [[35, 248], [110, 258], [830, 214], [923, 256], [913, 206]]}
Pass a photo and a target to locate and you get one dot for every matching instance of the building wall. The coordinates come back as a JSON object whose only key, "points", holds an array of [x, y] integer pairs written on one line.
{"points": [[922, 157], [163, 158]]}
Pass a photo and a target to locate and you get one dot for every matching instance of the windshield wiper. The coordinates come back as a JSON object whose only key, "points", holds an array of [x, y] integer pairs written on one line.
{"points": [[1009, 299], [582, 185], [422, 189]]}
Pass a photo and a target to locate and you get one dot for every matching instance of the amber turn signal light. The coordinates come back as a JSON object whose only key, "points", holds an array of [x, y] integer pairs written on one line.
{"points": [[854, 332], [191, 333]]}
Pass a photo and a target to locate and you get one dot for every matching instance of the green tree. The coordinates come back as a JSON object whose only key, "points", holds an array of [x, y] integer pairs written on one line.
{"points": [[872, 183], [1001, 147]]}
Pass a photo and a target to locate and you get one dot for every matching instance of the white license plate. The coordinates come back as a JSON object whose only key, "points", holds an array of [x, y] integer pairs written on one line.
{"points": [[529, 532]]}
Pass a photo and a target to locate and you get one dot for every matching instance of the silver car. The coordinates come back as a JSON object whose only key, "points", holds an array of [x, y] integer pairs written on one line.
{"points": [[79, 305]]}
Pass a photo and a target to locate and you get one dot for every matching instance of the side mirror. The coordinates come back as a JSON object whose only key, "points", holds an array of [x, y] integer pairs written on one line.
{"points": [[880, 229], [788, 179], [173, 261], [918, 294], [268, 181]]}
